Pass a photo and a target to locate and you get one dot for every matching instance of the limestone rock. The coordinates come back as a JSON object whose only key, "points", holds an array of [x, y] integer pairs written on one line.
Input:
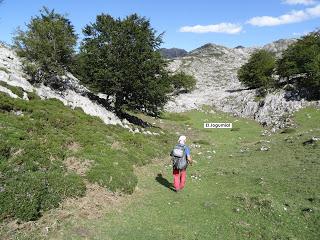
{"points": [[215, 69], [72, 94]]}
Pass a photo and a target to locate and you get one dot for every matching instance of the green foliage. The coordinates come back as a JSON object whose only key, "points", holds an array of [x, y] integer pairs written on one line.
{"points": [[183, 82], [120, 58], [257, 72], [47, 45], [301, 62], [27, 194]]}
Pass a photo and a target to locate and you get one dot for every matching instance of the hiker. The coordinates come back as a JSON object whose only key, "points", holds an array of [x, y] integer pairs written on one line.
{"points": [[180, 159]]}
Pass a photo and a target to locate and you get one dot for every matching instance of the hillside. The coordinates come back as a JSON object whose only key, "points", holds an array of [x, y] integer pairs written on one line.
{"points": [[71, 169], [215, 68]]}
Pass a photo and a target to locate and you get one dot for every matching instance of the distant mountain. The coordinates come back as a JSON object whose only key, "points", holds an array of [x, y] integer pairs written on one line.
{"points": [[172, 52], [278, 46], [239, 47]]}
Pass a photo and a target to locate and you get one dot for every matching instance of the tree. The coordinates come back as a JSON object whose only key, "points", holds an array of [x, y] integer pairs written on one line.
{"points": [[47, 45], [119, 57], [258, 71], [300, 63], [183, 82]]}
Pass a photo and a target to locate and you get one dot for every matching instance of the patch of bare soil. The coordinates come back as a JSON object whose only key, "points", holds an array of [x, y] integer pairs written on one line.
{"points": [[77, 165], [73, 146], [116, 145]]}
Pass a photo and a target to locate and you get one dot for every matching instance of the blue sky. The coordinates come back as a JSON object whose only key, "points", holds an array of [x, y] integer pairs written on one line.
{"points": [[187, 24]]}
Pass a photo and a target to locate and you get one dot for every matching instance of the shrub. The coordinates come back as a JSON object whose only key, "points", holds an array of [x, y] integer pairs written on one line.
{"points": [[26, 195], [47, 45], [119, 57], [257, 72], [300, 63], [183, 82]]}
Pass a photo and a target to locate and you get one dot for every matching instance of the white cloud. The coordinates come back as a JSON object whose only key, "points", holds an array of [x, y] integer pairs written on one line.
{"points": [[292, 17], [303, 2], [228, 28]]}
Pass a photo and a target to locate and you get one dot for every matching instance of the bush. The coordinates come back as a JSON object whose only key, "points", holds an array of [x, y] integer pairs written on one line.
{"points": [[119, 57], [183, 82], [27, 195], [47, 45], [257, 72], [300, 63]]}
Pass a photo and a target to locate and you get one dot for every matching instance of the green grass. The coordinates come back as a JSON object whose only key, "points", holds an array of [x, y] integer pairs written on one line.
{"points": [[234, 190], [16, 90], [35, 145], [244, 193]]}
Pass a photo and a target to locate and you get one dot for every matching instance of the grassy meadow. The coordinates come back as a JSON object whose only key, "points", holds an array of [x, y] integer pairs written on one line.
{"points": [[245, 183]]}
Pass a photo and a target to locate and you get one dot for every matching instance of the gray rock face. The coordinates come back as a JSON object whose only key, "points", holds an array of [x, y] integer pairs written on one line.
{"points": [[215, 68], [73, 94]]}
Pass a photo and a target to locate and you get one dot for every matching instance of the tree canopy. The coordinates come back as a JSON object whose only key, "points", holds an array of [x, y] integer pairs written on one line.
{"points": [[47, 45], [257, 72], [300, 63], [119, 57], [182, 82]]}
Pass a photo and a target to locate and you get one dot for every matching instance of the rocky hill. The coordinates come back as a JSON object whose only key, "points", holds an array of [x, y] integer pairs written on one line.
{"points": [[215, 68], [74, 94]]}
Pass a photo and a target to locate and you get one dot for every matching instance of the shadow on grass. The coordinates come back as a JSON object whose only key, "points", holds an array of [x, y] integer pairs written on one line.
{"points": [[164, 182]]}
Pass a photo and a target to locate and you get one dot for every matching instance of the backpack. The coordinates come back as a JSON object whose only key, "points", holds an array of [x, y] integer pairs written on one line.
{"points": [[179, 158]]}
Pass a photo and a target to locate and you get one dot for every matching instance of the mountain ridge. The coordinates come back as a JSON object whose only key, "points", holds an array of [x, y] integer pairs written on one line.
{"points": [[215, 69]]}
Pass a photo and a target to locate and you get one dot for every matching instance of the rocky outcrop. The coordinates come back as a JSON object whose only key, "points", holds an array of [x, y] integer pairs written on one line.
{"points": [[73, 93], [215, 68]]}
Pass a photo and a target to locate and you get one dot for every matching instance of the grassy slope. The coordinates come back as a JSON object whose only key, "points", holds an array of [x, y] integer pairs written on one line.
{"points": [[244, 193], [35, 140]]}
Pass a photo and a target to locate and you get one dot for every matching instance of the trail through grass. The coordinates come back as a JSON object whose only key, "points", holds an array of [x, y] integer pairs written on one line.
{"points": [[246, 184]]}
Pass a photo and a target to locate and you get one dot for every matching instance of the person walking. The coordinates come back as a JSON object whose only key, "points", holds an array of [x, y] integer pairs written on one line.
{"points": [[181, 158]]}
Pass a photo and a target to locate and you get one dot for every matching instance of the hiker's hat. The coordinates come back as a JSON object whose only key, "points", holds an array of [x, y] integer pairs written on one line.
{"points": [[182, 139]]}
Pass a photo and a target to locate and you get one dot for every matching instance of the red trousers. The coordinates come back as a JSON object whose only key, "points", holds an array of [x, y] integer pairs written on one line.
{"points": [[179, 179]]}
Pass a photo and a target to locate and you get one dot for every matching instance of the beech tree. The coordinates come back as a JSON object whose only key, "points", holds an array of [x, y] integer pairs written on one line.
{"points": [[257, 72], [47, 45], [119, 57], [300, 63]]}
